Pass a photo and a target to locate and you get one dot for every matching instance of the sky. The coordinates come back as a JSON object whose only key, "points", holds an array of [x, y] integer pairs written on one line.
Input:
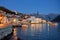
{"points": [[32, 6]]}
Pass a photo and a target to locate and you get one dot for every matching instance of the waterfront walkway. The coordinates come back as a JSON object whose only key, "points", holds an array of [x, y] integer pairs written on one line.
{"points": [[4, 25]]}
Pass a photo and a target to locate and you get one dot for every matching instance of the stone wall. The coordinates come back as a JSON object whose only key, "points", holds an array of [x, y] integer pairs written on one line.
{"points": [[5, 31]]}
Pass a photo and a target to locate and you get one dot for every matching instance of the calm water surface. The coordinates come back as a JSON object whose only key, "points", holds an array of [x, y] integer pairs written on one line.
{"points": [[39, 32]]}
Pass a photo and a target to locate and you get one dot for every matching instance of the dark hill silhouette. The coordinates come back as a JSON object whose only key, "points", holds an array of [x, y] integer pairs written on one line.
{"points": [[6, 10], [57, 19], [9, 11]]}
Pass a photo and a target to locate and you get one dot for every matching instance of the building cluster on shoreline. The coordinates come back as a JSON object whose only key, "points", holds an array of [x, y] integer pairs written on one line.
{"points": [[13, 17], [9, 18]]}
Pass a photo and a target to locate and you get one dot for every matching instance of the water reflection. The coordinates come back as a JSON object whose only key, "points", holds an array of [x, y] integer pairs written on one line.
{"points": [[38, 32], [15, 34], [38, 27]]}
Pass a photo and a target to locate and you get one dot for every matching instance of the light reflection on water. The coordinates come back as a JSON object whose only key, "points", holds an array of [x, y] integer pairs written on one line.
{"points": [[39, 32], [15, 34]]}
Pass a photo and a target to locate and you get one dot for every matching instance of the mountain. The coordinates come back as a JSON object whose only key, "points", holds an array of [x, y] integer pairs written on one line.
{"points": [[38, 15], [6, 10], [57, 19], [11, 12], [51, 16]]}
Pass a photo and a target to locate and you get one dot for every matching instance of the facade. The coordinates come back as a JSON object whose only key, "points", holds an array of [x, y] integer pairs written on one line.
{"points": [[33, 19], [5, 27], [3, 18]]}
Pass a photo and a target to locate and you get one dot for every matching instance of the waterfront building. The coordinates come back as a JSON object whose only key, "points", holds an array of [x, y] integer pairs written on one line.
{"points": [[33, 19], [5, 27], [5, 22]]}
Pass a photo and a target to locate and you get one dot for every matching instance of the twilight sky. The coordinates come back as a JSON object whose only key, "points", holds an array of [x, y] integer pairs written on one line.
{"points": [[31, 6]]}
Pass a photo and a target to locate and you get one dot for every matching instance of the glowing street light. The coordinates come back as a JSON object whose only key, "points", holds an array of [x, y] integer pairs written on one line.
{"points": [[14, 20]]}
